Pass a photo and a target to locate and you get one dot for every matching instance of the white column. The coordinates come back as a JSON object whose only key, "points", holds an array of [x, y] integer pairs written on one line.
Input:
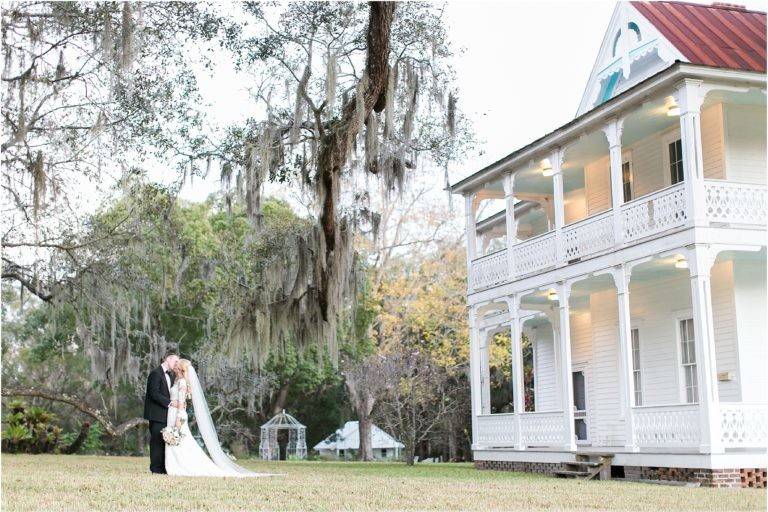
{"points": [[700, 263], [474, 372], [556, 160], [689, 100], [471, 231], [518, 385], [621, 279], [613, 131], [509, 198], [564, 331], [485, 385]]}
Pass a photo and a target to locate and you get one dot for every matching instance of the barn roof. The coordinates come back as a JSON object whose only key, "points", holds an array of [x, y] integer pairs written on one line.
{"points": [[722, 35]]}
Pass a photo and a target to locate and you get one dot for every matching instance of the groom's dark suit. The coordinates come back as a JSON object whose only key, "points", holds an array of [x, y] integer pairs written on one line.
{"points": [[156, 403]]}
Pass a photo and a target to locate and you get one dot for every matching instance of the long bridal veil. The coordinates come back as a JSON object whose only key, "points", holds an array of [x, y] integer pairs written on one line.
{"points": [[208, 430]]}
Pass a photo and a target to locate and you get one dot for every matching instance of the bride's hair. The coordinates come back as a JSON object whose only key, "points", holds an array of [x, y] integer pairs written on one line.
{"points": [[182, 371]]}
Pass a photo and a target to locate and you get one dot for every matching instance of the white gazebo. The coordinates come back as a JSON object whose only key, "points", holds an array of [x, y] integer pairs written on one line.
{"points": [[283, 438], [345, 442]]}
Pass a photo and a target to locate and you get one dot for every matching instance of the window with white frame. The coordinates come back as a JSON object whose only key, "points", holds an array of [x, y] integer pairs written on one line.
{"points": [[688, 360], [676, 173], [626, 178], [636, 377]]}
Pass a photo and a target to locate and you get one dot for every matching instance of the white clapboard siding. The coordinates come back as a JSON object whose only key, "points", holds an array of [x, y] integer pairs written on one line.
{"points": [[575, 205], [605, 400], [545, 373], [724, 320], [749, 278], [745, 144], [647, 165], [581, 352], [655, 306], [597, 179], [712, 142]]}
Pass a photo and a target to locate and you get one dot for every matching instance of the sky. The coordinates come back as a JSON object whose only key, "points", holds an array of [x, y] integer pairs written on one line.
{"points": [[521, 69]]}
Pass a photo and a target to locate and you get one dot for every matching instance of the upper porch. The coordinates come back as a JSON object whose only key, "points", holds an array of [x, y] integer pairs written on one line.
{"points": [[685, 150]]}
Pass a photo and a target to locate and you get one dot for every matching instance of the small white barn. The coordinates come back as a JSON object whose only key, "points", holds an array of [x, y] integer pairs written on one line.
{"points": [[344, 443]]}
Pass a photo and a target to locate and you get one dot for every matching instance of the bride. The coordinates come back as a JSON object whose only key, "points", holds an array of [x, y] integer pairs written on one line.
{"points": [[187, 458]]}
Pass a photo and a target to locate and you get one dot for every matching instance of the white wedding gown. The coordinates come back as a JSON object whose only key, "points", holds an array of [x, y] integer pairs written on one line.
{"points": [[188, 458]]}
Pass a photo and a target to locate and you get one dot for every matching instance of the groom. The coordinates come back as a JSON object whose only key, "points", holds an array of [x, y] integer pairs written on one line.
{"points": [[156, 403]]}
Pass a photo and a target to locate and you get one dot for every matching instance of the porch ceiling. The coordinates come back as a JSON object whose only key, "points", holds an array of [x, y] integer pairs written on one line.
{"points": [[649, 119], [530, 180], [539, 300], [586, 150], [743, 255], [536, 322], [751, 97], [655, 269]]}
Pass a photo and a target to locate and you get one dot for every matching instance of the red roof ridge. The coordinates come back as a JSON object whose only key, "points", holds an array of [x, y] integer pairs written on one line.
{"points": [[726, 6], [721, 35]]}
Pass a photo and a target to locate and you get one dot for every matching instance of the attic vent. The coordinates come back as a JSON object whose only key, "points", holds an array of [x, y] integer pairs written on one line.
{"points": [[726, 5]]}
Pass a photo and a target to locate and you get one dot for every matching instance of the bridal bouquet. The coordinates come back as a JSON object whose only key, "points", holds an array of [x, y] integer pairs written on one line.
{"points": [[172, 435]]}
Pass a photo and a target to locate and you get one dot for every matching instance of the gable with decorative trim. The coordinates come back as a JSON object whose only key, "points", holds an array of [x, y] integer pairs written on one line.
{"points": [[632, 50]]}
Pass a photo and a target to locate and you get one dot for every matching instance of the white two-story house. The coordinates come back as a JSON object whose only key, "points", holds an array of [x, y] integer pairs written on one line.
{"points": [[624, 255]]}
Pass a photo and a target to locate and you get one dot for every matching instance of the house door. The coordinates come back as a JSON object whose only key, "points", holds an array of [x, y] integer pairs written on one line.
{"points": [[580, 405]]}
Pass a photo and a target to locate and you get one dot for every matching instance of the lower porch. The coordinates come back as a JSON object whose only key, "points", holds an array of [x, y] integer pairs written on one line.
{"points": [[660, 362], [658, 430]]}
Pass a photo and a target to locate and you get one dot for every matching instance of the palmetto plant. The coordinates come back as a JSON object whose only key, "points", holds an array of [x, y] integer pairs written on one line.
{"points": [[30, 429], [39, 416], [14, 437]]}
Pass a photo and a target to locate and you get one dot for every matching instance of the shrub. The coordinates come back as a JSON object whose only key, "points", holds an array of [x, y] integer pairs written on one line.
{"points": [[30, 430]]}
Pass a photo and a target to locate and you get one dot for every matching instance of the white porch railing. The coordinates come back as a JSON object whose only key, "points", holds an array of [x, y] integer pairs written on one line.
{"points": [[542, 428], [535, 254], [736, 203], [725, 202], [672, 426], [654, 213], [496, 430], [589, 236], [744, 425], [490, 269]]}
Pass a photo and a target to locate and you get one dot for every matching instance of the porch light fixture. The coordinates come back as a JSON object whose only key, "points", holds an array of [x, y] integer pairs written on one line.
{"points": [[546, 167], [681, 262], [673, 109], [552, 295]]}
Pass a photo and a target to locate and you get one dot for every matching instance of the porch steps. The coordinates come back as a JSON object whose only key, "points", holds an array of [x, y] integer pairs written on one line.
{"points": [[587, 467]]}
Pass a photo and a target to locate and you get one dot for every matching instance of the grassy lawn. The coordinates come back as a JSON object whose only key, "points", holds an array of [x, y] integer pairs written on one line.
{"points": [[51, 482]]}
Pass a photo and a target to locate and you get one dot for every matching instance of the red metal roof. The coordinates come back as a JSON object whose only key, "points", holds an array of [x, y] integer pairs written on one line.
{"points": [[722, 35]]}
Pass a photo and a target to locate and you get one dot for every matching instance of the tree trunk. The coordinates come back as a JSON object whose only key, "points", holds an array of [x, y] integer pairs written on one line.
{"points": [[140, 442], [452, 441], [423, 450], [333, 152], [365, 452], [281, 398], [78, 442], [409, 453]]}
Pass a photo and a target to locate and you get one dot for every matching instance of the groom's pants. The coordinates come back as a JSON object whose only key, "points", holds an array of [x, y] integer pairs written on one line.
{"points": [[156, 447]]}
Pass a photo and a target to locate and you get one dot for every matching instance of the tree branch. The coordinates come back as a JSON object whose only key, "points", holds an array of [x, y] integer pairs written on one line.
{"points": [[109, 427], [32, 286]]}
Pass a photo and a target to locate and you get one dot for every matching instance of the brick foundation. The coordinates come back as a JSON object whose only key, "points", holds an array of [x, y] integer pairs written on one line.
{"points": [[754, 477], [745, 477], [526, 467]]}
